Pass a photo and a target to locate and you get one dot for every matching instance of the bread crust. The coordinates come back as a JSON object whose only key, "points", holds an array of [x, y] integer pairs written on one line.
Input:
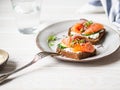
{"points": [[93, 41], [73, 55]]}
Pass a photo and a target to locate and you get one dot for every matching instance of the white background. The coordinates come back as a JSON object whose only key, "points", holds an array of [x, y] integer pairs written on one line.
{"points": [[49, 73]]}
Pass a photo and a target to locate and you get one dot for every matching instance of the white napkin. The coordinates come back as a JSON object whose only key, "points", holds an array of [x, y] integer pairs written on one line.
{"points": [[92, 6], [112, 9]]}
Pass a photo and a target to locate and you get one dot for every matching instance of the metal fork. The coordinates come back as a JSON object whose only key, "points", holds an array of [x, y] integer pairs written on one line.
{"points": [[37, 57]]}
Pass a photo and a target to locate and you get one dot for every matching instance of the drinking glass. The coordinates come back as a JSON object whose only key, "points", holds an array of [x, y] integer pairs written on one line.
{"points": [[27, 13]]}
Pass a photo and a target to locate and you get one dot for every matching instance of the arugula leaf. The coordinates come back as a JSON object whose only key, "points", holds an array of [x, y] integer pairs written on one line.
{"points": [[86, 34], [88, 23], [82, 41], [90, 34], [61, 46], [51, 40], [51, 44]]}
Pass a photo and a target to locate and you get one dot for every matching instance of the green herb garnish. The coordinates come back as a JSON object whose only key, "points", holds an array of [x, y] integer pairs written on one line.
{"points": [[90, 34], [82, 41], [71, 35], [88, 23], [77, 41], [86, 34], [51, 44], [51, 40], [61, 46]]}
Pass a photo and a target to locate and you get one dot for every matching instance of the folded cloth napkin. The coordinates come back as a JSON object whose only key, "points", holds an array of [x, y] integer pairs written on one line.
{"points": [[93, 6], [95, 3], [112, 9]]}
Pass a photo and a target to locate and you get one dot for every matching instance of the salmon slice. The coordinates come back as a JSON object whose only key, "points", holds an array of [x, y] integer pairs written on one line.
{"points": [[85, 47], [95, 27], [67, 41], [78, 27]]}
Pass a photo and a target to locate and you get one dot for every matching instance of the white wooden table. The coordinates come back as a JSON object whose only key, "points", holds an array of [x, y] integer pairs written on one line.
{"points": [[49, 73]]}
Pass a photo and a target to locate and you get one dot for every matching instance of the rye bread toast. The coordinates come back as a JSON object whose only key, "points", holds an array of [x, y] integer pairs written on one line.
{"points": [[93, 41], [81, 53], [78, 56]]}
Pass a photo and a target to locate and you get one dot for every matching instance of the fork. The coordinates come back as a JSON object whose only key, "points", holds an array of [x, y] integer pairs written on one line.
{"points": [[37, 57]]}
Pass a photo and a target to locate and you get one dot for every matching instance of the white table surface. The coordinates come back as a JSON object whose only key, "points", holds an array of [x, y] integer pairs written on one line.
{"points": [[49, 73]]}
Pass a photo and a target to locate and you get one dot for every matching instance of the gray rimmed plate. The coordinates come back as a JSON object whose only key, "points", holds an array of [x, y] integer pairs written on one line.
{"points": [[108, 46]]}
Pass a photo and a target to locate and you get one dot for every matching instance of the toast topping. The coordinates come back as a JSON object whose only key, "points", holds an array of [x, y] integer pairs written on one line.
{"points": [[93, 28], [76, 44], [84, 47], [86, 28], [77, 28]]}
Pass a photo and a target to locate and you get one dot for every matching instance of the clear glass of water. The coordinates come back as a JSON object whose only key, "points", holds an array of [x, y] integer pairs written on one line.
{"points": [[27, 13]]}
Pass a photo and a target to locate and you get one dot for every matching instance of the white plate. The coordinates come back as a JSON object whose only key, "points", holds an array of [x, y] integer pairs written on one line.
{"points": [[110, 44]]}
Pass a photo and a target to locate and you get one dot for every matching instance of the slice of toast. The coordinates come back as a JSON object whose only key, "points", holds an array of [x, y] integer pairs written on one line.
{"points": [[92, 40], [98, 39], [85, 49], [73, 55]]}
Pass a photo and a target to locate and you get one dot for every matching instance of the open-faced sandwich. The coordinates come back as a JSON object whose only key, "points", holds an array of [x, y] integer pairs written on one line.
{"points": [[76, 47], [93, 31]]}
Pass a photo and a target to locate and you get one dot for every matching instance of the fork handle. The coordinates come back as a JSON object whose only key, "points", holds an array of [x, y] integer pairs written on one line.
{"points": [[36, 58], [4, 76]]}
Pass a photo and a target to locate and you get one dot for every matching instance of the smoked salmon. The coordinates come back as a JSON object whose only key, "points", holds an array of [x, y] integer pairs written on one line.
{"points": [[93, 31], [78, 43], [95, 27], [76, 47]]}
